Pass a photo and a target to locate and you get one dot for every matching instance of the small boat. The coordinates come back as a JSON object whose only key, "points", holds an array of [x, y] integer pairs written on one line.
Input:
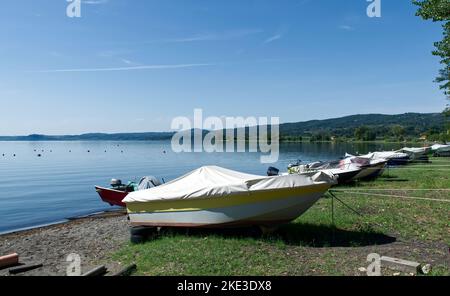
{"points": [[393, 158], [371, 168], [118, 191], [441, 150], [344, 173], [212, 197], [416, 154]]}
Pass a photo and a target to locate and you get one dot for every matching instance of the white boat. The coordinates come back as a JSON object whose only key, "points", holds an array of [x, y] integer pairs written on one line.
{"points": [[371, 168], [344, 173], [216, 197], [439, 148], [416, 153], [392, 157]]}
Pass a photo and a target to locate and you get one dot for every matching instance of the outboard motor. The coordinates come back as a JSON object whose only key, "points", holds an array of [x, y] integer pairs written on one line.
{"points": [[271, 171], [116, 183]]}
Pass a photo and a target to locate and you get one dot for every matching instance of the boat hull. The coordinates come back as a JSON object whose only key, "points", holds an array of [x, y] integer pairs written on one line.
{"points": [[267, 208], [371, 171], [398, 161], [346, 176], [111, 196]]}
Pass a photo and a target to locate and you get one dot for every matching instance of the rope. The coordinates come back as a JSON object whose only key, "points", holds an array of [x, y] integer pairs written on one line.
{"points": [[347, 206], [391, 195]]}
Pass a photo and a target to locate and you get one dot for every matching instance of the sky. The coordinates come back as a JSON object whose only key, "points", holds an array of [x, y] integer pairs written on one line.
{"points": [[134, 65]]}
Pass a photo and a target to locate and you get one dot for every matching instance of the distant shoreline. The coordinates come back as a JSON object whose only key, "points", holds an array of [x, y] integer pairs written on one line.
{"points": [[349, 141], [371, 127]]}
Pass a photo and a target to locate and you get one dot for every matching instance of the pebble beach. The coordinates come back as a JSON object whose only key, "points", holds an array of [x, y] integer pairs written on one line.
{"points": [[94, 238]]}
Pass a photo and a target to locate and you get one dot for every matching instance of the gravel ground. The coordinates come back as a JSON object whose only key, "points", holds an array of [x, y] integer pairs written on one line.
{"points": [[93, 238]]}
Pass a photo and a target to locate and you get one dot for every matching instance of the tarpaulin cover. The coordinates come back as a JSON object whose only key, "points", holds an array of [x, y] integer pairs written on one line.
{"points": [[212, 182]]}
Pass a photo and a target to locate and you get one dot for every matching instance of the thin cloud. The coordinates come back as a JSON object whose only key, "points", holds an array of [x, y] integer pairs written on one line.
{"points": [[145, 67], [94, 2], [346, 28], [211, 36], [272, 39], [128, 62]]}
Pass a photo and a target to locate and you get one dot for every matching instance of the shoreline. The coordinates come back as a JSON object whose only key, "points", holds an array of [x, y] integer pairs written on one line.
{"points": [[62, 221]]}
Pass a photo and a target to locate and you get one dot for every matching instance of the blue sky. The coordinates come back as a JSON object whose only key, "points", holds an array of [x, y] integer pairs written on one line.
{"points": [[133, 65]]}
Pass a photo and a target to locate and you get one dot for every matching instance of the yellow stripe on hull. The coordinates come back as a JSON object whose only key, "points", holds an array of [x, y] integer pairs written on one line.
{"points": [[223, 201]]}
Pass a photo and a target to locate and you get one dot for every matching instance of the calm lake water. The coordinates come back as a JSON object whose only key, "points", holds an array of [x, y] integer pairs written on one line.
{"points": [[36, 191]]}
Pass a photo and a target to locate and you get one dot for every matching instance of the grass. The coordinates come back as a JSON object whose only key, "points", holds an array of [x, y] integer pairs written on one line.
{"points": [[408, 218], [407, 228]]}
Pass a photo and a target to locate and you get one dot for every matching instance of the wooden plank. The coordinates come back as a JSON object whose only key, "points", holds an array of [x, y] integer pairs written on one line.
{"points": [[127, 270], [400, 264], [9, 260], [98, 271], [24, 268]]}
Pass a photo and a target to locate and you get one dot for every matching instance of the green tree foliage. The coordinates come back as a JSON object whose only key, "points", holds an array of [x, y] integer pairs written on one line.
{"points": [[439, 11], [398, 132], [364, 133], [320, 136]]}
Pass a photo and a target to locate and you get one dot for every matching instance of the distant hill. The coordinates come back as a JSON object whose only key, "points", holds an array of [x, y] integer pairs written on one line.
{"points": [[377, 125], [413, 124], [94, 137]]}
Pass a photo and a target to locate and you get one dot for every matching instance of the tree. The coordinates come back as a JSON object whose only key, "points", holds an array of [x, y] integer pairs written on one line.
{"points": [[360, 132], [439, 11], [364, 133], [398, 132]]}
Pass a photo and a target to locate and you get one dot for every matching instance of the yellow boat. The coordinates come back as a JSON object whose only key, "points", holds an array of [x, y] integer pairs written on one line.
{"points": [[217, 197]]}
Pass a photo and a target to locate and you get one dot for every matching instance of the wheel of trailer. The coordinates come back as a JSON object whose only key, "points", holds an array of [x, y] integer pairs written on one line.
{"points": [[137, 239]]}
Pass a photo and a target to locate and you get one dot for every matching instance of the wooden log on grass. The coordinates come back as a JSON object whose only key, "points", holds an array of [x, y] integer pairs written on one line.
{"points": [[9, 260], [98, 271], [24, 268], [400, 264]]}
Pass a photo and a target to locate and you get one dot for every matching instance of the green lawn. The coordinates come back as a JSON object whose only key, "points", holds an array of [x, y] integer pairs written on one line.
{"points": [[311, 245]]}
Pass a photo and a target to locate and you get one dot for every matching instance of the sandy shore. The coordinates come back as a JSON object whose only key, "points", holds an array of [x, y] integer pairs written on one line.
{"points": [[93, 238]]}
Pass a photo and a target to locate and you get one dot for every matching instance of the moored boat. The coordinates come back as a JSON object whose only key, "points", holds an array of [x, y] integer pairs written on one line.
{"points": [[118, 191], [441, 150], [416, 154], [371, 168], [344, 173], [393, 158], [216, 197], [112, 196]]}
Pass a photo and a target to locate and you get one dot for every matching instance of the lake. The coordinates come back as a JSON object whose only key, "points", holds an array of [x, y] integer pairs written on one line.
{"points": [[37, 191]]}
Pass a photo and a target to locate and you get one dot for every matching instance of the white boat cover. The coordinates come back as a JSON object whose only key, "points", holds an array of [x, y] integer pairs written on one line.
{"points": [[148, 182], [212, 182], [413, 150], [440, 148], [363, 160], [386, 155], [359, 161]]}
